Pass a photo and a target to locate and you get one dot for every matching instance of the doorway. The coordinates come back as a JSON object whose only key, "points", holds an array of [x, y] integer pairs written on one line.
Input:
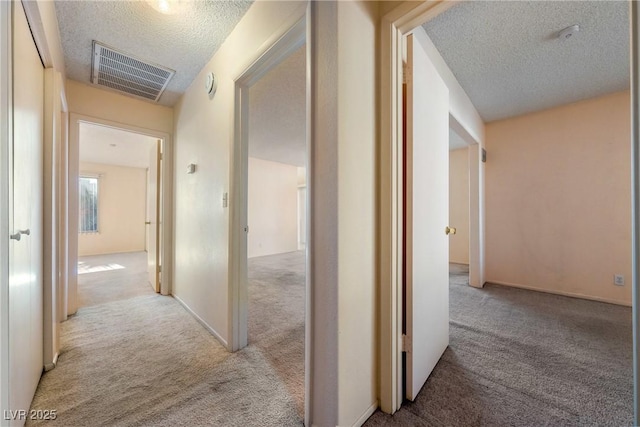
{"points": [[276, 215], [404, 23], [103, 157], [269, 161], [119, 240]]}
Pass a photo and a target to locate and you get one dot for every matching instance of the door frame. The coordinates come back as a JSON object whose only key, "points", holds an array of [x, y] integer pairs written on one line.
{"points": [[72, 207], [395, 26], [292, 35]]}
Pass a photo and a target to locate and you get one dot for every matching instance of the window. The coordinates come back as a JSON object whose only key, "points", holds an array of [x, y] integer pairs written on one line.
{"points": [[88, 204]]}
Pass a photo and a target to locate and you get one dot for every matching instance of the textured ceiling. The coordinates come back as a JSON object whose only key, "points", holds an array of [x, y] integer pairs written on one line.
{"points": [[131, 149], [277, 112], [183, 41], [507, 58]]}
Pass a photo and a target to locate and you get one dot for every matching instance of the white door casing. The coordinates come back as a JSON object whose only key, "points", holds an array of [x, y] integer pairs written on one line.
{"points": [[153, 218]]}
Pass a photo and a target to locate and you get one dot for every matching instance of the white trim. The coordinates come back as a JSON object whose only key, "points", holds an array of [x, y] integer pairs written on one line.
{"points": [[6, 119], [53, 89], [366, 414], [72, 206], [201, 321], [561, 293], [53, 364], [31, 9]]}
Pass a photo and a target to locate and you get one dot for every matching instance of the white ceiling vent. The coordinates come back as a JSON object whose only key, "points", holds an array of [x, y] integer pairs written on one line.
{"points": [[123, 73]]}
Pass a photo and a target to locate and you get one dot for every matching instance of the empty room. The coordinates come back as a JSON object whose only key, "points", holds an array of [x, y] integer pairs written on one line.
{"points": [[546, 337], [117, 201]]}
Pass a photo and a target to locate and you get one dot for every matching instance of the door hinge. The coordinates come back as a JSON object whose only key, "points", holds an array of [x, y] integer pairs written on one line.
{"points": [[159, 269], [407, 345], [161, 156], [246, 229], [406, 73]]}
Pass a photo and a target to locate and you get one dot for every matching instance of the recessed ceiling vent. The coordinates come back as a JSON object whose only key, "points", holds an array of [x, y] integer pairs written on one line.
{"points": [[123, 73]]}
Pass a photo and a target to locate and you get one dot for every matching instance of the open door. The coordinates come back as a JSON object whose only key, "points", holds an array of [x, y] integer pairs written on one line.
{"points": [[153, 217], [426, 202]]}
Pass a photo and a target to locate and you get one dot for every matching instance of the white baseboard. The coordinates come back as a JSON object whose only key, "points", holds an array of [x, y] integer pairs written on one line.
{"points": [[366, 414], [563, 293], [50, 366], [202, 322]]}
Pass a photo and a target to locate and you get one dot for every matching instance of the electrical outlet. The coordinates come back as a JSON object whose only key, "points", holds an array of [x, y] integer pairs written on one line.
{"points": [[618, 280]]}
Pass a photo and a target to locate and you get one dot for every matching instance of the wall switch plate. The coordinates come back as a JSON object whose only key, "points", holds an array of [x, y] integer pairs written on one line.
{"points": [[618, 280]]}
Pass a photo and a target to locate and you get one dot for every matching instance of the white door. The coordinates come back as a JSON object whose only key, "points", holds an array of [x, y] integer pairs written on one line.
{"points": [[25, 254], [153, 217], [426, 216]]}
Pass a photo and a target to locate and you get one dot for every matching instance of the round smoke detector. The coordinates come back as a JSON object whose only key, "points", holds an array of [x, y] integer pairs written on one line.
{"points": [[568, 32]]}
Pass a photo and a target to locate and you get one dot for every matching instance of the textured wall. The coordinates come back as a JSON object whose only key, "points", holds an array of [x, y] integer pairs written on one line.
{"points": [[558, 199]]}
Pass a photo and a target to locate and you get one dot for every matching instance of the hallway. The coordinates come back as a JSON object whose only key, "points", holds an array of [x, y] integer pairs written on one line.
{"points": [[143, 360]]}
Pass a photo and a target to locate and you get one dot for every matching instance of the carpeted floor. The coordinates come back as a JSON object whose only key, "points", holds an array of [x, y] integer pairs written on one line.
{"points": [[516, 357], [276, 317], [113, 277], [526, 358], [144, 361]]}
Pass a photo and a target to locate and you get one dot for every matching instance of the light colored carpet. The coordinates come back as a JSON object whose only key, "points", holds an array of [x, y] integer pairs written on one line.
{"points": [[526, 358], [276, 317], [113, 277], [516, 358], [144, 361]]}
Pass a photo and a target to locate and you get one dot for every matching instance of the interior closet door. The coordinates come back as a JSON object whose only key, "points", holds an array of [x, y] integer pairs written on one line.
{"points": [[25, 251]]}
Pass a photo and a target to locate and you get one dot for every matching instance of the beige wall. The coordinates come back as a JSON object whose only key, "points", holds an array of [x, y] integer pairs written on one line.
{"points": [[356, 159], [121, 210], [558, 199], [343, 389], [203, 135], [459, 205], [94, 102], [273, 208]]}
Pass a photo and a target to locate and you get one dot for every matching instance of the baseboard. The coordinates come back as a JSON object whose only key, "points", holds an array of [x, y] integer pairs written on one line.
{"points": [[562, 293], [366, 414], [202, 322], [50, 366]]}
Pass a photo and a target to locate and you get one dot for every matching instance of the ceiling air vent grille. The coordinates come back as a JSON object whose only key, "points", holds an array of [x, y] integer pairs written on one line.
{"points": [[121, 72]]}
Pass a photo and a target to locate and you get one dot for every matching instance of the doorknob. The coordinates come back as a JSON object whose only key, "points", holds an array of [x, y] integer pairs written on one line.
{"points": [[27, 232], [16, 236], [449, 230]]}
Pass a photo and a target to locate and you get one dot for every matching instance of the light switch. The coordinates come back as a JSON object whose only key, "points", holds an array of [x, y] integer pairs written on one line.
{"points": [[191, 168]]}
